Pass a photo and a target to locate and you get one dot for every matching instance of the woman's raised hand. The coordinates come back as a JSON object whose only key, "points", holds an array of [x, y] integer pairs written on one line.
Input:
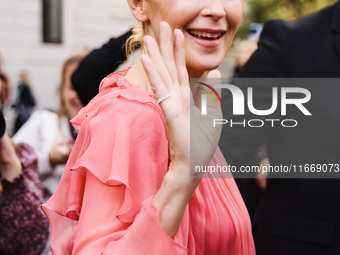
{"points": [[166, 68], [167, 73]]}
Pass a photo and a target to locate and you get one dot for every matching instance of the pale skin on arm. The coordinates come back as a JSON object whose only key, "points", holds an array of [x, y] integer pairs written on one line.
{"points": [[175, 192], [10, 166], [178, 186]]}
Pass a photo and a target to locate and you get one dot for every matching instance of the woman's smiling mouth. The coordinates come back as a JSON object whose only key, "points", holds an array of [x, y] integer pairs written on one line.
{"points": [[208, 38], [205, 35]]}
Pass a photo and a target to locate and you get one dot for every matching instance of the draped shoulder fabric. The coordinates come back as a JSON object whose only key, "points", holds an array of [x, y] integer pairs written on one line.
{"points": [[103, 204]]}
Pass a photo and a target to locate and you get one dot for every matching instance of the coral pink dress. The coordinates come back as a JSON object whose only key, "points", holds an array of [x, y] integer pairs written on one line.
{"points": [[103, 204]]}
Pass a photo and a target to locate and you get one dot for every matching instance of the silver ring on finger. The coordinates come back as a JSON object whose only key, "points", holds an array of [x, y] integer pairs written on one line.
{"points": [[163, 98]]}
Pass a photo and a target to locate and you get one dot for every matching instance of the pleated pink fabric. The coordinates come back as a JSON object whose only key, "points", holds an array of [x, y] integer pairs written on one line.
{"points": [[103, 204]]}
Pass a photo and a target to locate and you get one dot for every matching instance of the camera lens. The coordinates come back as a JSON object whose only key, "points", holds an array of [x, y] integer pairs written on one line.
{"points": [[2, 124]]}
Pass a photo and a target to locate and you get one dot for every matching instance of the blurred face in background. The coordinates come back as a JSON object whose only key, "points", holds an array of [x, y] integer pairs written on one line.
{"points": [[1, 93], [4, 90], [70, 97]]}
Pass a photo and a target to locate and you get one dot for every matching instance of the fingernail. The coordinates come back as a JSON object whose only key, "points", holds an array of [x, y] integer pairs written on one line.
{"points": [[178, 31], [145, 39]]}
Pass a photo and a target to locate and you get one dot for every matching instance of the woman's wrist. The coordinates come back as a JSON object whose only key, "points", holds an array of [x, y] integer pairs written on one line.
{"points": [[180, 183], [11, 168], [173, 197], [10, 165]]}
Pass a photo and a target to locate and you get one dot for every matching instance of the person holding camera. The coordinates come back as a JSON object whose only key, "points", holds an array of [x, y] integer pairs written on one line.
{"points": [[23, 225]]}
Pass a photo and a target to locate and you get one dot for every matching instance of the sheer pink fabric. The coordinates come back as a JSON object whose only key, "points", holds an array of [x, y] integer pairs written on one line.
{"points": [[103, 204]]}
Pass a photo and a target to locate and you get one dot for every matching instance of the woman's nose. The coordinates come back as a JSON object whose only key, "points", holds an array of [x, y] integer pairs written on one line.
{"points": [[214, 9]]}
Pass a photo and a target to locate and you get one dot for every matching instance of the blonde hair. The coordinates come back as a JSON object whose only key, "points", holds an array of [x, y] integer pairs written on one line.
{"points": [[4, 90], [74, 59], [136, 38], [26, 78]]}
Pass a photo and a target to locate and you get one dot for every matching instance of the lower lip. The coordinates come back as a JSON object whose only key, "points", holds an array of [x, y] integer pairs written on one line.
{"points": [[207, 43]]}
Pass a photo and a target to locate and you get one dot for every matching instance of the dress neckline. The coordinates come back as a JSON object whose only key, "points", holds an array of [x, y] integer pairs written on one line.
{"points": [[118, 79]]}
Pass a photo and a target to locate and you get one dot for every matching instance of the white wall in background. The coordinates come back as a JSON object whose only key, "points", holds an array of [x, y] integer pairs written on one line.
{"points": [[87, 23]]}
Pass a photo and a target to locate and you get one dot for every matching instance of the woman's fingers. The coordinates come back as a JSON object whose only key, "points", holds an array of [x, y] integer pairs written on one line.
{"points": [[157, 59], [166, 69], [214, 78], [182, 72], [214, 74], [156, 82], [169, 56], [167, 50]]}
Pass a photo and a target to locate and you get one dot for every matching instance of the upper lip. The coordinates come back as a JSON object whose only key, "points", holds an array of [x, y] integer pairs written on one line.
{"points": [[208, 30]]}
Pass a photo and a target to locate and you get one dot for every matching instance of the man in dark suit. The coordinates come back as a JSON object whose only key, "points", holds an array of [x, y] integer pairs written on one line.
{"points": [[299, 216], [97, 65]]}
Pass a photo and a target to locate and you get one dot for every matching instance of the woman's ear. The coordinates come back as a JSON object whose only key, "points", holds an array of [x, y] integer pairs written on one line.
{"points": [[137, 9]]}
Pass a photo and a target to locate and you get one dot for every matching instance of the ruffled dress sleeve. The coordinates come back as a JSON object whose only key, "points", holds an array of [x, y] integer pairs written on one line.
{"points": [[103, 204]]}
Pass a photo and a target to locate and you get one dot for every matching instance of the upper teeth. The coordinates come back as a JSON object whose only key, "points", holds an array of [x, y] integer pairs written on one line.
{"points": [[204, 34]]}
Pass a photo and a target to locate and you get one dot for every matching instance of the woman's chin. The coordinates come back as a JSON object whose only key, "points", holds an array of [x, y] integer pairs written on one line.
{"points": [[199, 70]]}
